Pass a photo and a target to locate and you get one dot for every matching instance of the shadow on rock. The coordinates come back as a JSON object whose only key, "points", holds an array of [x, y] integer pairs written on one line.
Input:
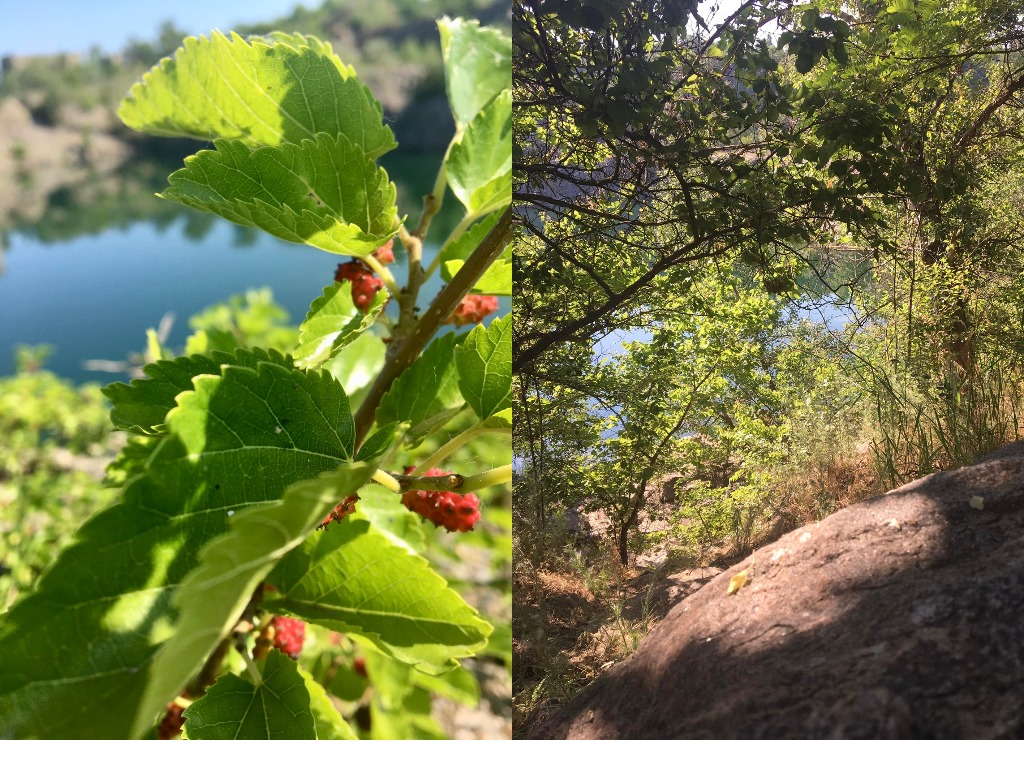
{"points": [[898, 617]]}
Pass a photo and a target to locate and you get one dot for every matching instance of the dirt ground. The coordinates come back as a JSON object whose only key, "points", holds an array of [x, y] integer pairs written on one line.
{"points": [[565, 632], [572, 623]]}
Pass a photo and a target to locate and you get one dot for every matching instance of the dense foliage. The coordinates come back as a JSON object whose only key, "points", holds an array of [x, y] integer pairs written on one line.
{"points": [[769, 254], [264, 472]]}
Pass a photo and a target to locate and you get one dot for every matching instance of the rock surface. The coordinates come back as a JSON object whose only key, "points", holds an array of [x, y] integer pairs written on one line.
{"points": [[898, 617], [36, 160]]}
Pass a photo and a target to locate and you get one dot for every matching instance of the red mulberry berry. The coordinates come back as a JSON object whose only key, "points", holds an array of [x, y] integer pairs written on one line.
{"points": [[359, 665], [170, 726], [289, 635], [472, 309], [386, 253], [341, 511], [365, 284], [454, 511]]}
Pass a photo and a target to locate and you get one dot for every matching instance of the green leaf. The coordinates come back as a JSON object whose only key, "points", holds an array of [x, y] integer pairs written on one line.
{"points": [[334, 322], [497, 280], [412, 719], [234, 709], [391, 679], [500, 420], [385, 510], [378, 443], [260, 94], [212, 597], [330, 725], [130, 461], [459, 685], [484, 361], [321, 192], [142, 406], [347, 684], [479, 164], [499, 644], [356, 365], [401, 704], [238, 439], [352, 579], [477, 66], [427, 393]]}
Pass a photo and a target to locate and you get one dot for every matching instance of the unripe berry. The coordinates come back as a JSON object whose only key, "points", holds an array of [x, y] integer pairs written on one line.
{"points": [[289, 635], [472, 309], [386, 253], [365, 284], [455, 511]]}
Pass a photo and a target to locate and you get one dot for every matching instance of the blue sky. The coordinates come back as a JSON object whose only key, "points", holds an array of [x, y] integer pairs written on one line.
{"points": [[52, 26]]}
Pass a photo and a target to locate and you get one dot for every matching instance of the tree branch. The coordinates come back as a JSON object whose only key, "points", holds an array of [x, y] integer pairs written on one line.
{"points": [[404, 352]]}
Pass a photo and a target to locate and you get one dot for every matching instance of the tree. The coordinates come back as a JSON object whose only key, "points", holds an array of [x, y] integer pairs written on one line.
{"points": [[921, 115], [648, 148]]}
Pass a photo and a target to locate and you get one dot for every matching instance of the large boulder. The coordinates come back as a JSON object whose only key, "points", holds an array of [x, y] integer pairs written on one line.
{"points": [[898, 617]]}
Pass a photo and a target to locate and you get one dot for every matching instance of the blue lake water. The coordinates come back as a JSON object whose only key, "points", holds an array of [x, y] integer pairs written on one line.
{"points": [[93, 296]]}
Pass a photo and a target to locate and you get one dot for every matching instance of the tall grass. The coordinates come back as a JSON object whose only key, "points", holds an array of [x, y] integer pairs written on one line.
{"points": [[925, 427]]}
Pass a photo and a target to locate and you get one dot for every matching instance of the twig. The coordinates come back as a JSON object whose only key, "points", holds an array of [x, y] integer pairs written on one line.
{"points": [[404, 351]]}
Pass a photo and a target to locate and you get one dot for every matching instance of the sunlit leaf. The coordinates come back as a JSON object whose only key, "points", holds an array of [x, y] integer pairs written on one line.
{"points": [[334, 322], [477, 64], [355, 366], [385, 510], [143, 405], [484, 361], [277, 708], [736, 583], [497, 280], [353, 579], [260, 94], [427, 393], [237, 439], [330, 725], [321, 192], [479, 165], [212, 597]]}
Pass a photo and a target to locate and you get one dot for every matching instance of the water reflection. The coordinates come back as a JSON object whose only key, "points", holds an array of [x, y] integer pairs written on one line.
{"points": [[116, 201], [108, 259]]}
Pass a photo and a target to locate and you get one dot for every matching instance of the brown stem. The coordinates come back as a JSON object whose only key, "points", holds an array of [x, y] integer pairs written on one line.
{"points": [[211, 669], [404, 351]]}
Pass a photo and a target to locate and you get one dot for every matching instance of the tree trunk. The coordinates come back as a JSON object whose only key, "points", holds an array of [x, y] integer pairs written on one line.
{"points": [[633, 518], [958, 340]]}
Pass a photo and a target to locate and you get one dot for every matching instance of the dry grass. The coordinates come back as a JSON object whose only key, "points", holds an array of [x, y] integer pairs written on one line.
{"points": [[575, 619], [571, 624], [817, 488]]}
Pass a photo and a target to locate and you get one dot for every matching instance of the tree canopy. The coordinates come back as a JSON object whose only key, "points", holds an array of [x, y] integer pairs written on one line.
{"points": [[768, 264], [861, 156]]}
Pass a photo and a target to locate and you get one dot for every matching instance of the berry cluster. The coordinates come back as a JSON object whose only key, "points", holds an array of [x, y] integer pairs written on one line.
{"points": [[289, 635], [365, 284], [340, 511], [472, 309], [454, 511]]}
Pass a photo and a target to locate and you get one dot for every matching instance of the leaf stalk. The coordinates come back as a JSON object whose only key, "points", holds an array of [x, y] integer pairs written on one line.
{"points": [[455, 443]]}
